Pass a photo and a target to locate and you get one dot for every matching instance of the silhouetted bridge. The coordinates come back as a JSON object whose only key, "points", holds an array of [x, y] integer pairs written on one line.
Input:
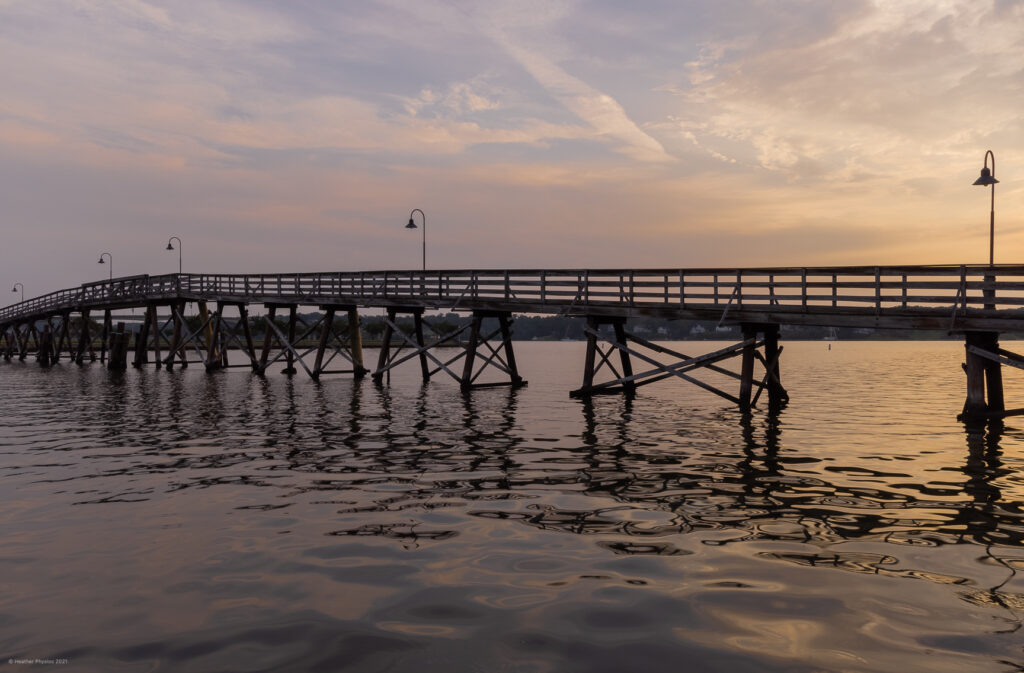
{"points": [[980, 302]]}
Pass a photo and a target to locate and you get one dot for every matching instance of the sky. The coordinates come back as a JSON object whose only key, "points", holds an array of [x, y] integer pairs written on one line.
{"points": [[298, 136]]}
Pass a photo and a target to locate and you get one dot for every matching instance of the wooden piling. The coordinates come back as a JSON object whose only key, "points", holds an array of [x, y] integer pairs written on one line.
{"points": [[355, 343], [45, 354], [289, 357], [747, 368], [214, 356], [268, 339], [118, 360], [105, 335], [142, 342], [243, 315], [84, 338], [326, 332], [628, 384], [984, 377]]}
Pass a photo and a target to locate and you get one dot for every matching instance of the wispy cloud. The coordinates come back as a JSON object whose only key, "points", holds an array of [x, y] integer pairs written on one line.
{"points": [[704, 132]]}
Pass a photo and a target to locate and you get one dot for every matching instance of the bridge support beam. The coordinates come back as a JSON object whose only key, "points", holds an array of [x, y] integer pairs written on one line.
{"points": [[9, 343], [46, 356], [142, 342], [479, 353], [225, 332], [630, 345], [176, 347], [388, 358], [348, 344], [503, 359], [118, 360], [983, 366], [105, 335], [27, 332], [84, 340]]}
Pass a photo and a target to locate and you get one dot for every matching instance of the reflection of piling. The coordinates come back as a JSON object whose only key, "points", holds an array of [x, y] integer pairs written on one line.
{"points": [[119, 348]]}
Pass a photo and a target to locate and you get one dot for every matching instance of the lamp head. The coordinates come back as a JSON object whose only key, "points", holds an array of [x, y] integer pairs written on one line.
{"points": [[169, 246], [411, 225], [101, 260], [14, 289], [986, 178]]}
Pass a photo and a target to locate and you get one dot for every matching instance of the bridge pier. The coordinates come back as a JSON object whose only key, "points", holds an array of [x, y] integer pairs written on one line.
{"points": [[118, 360], [631, 345], [501, 357], [28, 331], [386, 361], [8, 345], [504, 360], [983, 367], [45, 356], [350, 347]]}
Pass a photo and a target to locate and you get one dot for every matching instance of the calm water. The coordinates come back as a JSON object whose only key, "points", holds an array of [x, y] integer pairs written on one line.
{"points": [[166, 521]]}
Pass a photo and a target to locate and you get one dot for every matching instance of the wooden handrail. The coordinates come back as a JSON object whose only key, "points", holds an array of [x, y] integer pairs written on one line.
{"points": [[873, 290]]}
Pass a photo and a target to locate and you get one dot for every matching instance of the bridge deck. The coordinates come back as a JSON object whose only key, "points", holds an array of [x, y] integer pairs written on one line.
{"points": [[948, 297]]}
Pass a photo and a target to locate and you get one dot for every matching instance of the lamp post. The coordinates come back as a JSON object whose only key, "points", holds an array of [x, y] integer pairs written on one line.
{"points": [[15, 289], [111, 263], [989, 178], [171, 247], [412, 225]]}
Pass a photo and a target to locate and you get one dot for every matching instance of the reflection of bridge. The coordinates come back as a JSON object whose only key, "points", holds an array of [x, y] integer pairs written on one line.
{"points": [[978, 301]]}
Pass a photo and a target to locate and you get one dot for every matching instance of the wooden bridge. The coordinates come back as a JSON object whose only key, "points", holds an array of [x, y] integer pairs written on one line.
{"points": [[976, 301]]}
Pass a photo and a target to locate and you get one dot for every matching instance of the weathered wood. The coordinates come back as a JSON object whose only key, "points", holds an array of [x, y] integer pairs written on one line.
{"points": [[118, 360], [478, 340], [326, 331], [290, 353], [250, 347], [627, 366], [975, 405], [213, 339], [389, 359], [471, 347], [268, 338], [293, 354], [355, 341], [84, 338], [417, 319], [45, 354], [142, 342]]}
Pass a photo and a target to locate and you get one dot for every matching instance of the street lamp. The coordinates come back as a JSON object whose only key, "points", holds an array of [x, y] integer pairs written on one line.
{"points": [[412, 225], [171, 247], [111, 263], [15, 289], [989, 178]]}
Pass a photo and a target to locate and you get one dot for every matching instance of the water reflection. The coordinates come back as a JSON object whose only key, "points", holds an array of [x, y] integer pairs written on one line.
{"points": [[533, 498]]}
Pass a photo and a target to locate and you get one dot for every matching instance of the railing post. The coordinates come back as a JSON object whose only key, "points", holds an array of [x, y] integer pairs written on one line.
{"points": [[878, 290], [963, 288], [989, 290], [739, 288], [803, 288]]}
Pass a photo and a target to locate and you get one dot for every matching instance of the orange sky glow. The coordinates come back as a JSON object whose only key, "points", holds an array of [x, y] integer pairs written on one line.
{"points": [[298, 136]]}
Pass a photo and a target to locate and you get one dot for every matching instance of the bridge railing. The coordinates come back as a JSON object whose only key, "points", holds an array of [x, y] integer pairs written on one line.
{"points": [[976, 289]]}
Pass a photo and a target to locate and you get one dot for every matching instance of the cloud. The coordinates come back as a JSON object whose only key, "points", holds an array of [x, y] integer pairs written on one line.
{"points": [[896, 86], [602, 112]]}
